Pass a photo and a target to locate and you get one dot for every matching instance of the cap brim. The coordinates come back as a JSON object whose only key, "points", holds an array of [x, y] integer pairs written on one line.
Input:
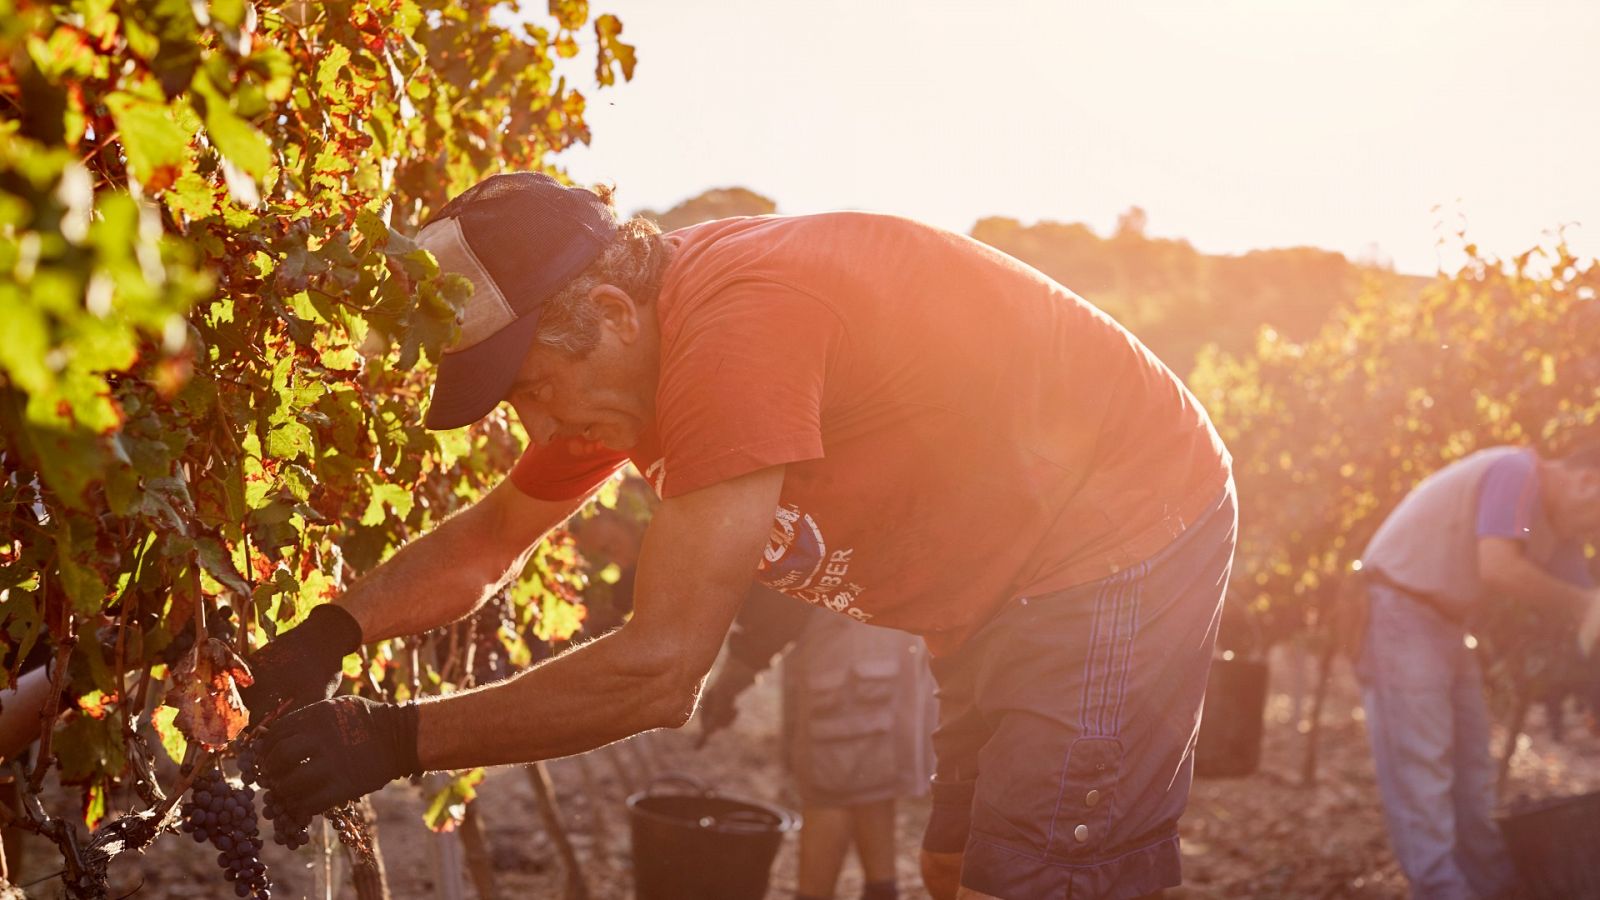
{"points": [[472, 382]]}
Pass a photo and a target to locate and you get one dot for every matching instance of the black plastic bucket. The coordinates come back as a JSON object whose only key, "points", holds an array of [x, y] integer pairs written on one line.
{"points": [[1552, 844], [1229, 744], [701, 846]]}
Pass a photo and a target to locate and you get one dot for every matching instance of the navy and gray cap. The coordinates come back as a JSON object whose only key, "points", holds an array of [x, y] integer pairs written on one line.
{"points": [[518, 238]]}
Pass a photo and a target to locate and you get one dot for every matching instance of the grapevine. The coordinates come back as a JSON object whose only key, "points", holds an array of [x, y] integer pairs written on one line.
{"points": [[225, 815], [213, 365]]}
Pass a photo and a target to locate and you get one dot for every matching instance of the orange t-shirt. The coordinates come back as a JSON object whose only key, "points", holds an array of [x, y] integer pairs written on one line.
{"points": [[958, 429]]}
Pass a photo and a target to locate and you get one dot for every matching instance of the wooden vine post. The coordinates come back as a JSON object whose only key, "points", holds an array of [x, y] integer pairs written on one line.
{"points": [[550, 811], [1319, 698], [480, 861]]}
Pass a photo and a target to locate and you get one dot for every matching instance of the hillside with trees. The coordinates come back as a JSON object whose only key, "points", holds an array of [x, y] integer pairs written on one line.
{"points": [[1178, 299]]}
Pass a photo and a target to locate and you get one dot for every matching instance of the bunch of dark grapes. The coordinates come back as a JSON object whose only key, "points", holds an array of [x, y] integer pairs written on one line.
{"points": [[287, 830], [290, 830], [226, 816], [248, 767], [490, 661]]}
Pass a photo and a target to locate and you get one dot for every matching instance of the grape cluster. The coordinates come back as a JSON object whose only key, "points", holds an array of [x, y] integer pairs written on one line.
{"points": [[352, 829], [225, 815], [249, 769], [290, 830], [490, 661], [287, 830]]}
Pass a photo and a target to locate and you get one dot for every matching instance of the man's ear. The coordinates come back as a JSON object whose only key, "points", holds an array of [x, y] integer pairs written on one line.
{"points": [[618, 310]]}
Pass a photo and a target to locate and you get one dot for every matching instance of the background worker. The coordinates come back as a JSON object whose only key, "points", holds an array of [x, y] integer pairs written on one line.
{"points": [[1501, 523], [858, 713]]}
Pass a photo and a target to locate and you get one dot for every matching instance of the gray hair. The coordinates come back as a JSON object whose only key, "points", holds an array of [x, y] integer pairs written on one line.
{"points": [[635, 261]]}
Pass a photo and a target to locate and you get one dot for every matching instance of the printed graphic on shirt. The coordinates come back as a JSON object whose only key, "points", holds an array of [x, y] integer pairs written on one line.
{"points": [[797, 562], [656, 475]]}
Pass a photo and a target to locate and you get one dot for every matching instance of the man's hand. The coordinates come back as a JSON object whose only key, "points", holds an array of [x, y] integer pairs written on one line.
{"points": [[337, 750], [302, 666], [718, 707]]}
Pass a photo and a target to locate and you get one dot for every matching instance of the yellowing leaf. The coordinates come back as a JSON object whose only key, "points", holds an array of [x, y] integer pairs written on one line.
{"points": [[172, 740], [608, 29], [449, 805], [328, 70]]}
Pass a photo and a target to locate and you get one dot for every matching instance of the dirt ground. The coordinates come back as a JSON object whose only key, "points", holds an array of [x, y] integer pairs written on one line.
{"points": [[1263, 836]]}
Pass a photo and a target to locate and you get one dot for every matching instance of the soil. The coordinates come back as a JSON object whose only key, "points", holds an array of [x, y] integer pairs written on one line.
{"points": [[1263, 836]]}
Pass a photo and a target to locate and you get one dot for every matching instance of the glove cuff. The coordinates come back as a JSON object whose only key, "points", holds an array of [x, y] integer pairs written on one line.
{"points": [[737, 675], [403, 719], [332, 631]]}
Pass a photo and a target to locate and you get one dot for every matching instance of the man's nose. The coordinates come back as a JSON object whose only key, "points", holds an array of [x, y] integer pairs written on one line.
{"points": [[545, 429], [541, 428]]}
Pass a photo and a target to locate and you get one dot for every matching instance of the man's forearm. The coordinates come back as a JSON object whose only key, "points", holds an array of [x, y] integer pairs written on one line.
{"points": [[600, 692], [431, 581], [21, 706], [1525, 581], [694, 570]]}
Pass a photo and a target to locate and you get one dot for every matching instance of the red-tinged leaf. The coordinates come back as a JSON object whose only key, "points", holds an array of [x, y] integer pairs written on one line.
{"points": [[94, 805], [97, 704], [207, 696]]}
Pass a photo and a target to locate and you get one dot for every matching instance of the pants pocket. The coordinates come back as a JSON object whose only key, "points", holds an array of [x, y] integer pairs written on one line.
{"points": [[851, 754]]}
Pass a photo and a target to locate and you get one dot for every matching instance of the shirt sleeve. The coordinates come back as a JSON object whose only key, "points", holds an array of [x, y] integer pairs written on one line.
{"points": [[564, 470], [1508, 498], [742, 386]]}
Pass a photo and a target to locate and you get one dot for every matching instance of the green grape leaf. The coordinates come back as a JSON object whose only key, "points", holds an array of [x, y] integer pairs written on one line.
{"points": [[156, 147]]}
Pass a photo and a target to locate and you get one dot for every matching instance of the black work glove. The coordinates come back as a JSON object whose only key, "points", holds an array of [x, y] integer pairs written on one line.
{"points": [[718, 702], [303, 664], [332, 752]]}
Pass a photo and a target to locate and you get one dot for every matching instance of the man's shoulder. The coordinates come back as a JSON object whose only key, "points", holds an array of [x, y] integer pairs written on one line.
{"points": [[1514, 462], [718, 237], [1508, 496], [1452, 491], [1468, 471], [1508, 454], [767, 258]]}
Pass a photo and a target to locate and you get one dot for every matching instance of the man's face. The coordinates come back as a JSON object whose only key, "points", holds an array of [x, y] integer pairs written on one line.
{"points": [[606, 396]]}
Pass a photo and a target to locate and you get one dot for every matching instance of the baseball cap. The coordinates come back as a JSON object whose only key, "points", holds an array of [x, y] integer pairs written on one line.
{"points": [[518, 237]]}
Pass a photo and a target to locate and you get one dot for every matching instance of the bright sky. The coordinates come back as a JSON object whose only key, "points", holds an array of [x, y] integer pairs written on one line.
{"points": [[1236, 124]]}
